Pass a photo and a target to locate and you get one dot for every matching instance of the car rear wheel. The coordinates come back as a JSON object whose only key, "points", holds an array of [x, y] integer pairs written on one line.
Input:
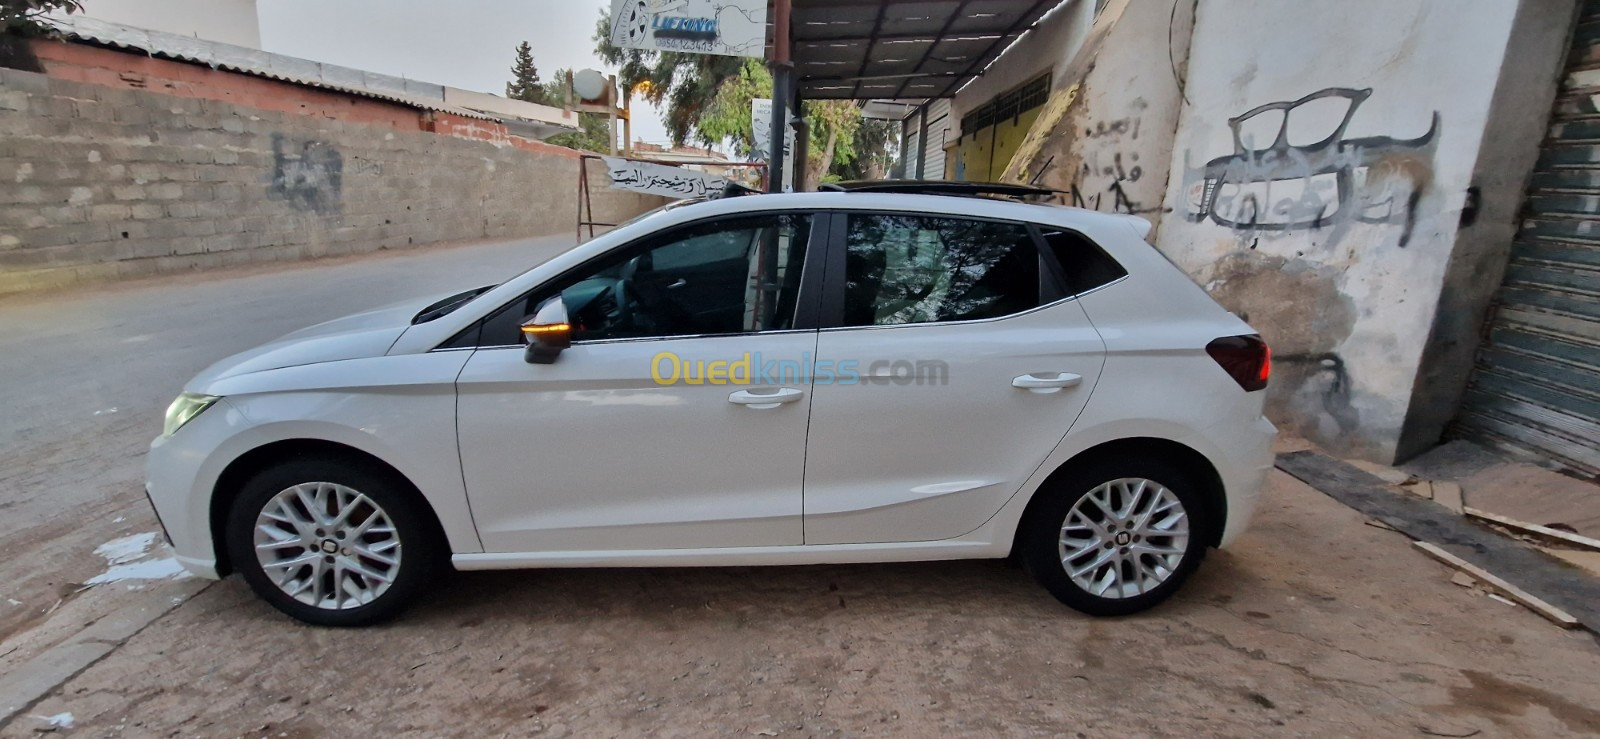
{"points": [[332, 542], [1116, 537]]}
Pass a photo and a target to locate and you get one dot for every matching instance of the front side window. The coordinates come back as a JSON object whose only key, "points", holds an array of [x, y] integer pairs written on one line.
{"points": [[918, 269], [724, 277]]}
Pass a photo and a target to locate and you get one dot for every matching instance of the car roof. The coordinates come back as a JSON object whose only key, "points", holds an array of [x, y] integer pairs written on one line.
{"points": [[1040, 213]]}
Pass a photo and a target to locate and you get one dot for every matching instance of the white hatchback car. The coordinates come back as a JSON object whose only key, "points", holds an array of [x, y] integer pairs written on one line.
{"points": [[880, 374]]}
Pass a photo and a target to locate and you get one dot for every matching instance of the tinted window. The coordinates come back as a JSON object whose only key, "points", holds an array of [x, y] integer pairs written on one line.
{"points": [[1084, 266], [724, 277], [914, 269]]}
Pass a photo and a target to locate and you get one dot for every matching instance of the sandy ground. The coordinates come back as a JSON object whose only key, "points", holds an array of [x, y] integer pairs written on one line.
{"points": [[1313, 624]]}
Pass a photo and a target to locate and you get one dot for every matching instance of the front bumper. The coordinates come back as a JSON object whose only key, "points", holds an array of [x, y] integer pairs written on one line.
{"points": [[178, 483]]}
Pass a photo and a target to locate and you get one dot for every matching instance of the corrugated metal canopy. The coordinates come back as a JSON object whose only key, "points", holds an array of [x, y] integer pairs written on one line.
{"points": [[866, 49]]}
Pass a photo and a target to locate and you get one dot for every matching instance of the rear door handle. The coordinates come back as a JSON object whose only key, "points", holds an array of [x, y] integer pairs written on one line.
{"points": [[765, 400], [1047, 382], [680, 282]]}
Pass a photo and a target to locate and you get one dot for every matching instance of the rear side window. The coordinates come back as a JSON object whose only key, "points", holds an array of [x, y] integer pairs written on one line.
{"points": [[917, 269], [1084, 266]]}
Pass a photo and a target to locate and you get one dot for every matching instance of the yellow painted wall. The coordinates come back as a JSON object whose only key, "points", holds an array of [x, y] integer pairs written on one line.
{"points": [[985, 155]]}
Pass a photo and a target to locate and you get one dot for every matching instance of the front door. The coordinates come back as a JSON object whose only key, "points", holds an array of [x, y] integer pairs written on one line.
{"points": [[657, 428], [961, 370]]}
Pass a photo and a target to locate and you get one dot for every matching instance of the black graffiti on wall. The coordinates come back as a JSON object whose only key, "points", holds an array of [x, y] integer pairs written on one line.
{"points": [[1114, 197], [1334, 182], [308, 175], [1324, 376]]}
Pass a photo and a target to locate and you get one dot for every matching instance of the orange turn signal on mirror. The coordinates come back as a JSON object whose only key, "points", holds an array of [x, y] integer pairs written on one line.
{"points": [[548, 328]]}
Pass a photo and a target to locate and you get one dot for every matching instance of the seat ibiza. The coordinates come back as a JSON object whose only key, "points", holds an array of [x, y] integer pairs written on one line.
{"points": [[891, 373]]}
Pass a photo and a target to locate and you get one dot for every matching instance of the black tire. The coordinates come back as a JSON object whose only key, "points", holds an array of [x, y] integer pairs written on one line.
{"points": [[422, 548], [1039, 537]]}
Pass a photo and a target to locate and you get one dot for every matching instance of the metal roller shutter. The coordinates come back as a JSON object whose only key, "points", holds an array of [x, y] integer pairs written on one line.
{"points": [[1536, 386], [938, 124]]}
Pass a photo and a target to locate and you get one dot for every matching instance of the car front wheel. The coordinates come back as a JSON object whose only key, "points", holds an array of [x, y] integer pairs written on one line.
{"points": [[1116, 537], [332, 542]]}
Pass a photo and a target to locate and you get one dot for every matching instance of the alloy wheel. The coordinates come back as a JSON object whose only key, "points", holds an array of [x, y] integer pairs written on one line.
{"points": [[327, 545], [1124, 538]]}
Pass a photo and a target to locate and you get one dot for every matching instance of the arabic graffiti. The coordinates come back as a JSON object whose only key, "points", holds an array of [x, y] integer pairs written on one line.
{"points": [[1333, 183], [659, 179], [1116, 176]]}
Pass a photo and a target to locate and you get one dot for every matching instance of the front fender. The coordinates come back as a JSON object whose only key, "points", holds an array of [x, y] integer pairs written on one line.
{"points": [[410, 426]]}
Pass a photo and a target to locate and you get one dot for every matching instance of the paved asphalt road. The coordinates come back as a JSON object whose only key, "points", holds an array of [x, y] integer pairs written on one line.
{"points": [[86, 373]]}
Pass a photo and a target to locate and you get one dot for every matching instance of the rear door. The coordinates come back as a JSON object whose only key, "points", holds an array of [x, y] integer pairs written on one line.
{"points": [[949, 365]]}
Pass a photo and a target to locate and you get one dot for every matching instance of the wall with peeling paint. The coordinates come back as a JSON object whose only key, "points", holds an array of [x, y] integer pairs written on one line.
{"points": [[1105, 137], [1319, 174], [1517, 123]]}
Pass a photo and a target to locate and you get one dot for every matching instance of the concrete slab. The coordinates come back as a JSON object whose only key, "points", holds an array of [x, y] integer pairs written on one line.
{"points": [[20, 688]]}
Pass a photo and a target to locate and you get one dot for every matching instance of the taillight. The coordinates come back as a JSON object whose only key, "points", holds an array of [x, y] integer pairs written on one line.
{"points": [[1246, 359]]}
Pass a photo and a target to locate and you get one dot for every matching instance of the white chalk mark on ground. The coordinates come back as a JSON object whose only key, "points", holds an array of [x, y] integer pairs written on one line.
{"points": [[58, 721], [130, 558]]}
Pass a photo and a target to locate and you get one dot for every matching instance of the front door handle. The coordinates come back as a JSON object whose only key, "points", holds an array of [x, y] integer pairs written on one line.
{"points": [[680, 282], [763, 401], [1047, 382]]}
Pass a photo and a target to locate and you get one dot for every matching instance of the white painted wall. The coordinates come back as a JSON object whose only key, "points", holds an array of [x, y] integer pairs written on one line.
{"points": [[1343, 284], [1105, 138], [229, 21]]}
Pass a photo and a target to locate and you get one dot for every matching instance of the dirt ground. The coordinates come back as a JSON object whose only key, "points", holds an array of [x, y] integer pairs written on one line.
{"points": [[1314, 623]]}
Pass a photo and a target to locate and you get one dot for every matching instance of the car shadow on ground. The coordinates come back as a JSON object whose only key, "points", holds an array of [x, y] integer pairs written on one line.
{"points": [[754, 594]]}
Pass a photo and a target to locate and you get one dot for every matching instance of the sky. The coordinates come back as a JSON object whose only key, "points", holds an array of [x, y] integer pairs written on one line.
{"points": [[469, 45]]}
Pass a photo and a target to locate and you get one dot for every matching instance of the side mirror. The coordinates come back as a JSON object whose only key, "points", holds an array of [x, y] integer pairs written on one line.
{"points": [[547, 333]]}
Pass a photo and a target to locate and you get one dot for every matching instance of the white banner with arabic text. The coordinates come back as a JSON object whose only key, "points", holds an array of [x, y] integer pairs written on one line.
{"points": [[660, 179]]}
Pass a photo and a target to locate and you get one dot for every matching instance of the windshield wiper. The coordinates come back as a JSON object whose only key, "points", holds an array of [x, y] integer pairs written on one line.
{"points": [[446, 306]]}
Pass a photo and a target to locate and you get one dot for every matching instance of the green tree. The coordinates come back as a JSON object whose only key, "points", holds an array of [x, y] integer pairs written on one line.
{"points": [[684, 83], [593, 129], [707, 100], [874, 142], [727, 117], [524, 84], [833, 125], [23, 15]]}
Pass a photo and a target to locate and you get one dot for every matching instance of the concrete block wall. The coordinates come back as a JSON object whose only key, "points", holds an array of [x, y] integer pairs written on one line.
{"points": [[117, 165]]}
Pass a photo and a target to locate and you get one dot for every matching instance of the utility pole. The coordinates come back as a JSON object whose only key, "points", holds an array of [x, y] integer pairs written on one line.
{"points": [[782, 71]]}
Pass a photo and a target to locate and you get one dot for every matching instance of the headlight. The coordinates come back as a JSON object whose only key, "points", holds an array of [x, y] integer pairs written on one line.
{"points": [[183, 410]]}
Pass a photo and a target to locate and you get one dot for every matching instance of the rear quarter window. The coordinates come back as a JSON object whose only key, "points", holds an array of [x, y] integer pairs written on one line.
{"points": [[1084, 265]]}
